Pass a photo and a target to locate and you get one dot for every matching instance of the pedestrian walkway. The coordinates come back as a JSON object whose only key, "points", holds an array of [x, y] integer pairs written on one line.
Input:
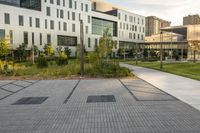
{"points": [[185, 89], [93, 106]]}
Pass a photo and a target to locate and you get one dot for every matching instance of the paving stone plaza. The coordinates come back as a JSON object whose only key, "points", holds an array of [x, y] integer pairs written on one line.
{"points": [[92, 106]]}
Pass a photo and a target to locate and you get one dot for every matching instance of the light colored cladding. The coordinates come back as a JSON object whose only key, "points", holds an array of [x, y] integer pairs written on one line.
{"points": [[137, 21], [18, 31], [26, 13]]}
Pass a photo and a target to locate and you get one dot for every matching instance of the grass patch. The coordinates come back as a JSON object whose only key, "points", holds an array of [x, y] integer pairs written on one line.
{"points": [[26, 70], [188, 69]]}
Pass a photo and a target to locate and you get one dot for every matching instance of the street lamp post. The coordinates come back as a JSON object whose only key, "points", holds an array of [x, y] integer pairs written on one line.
{"points": [[161, 50], [33, 54], [136, 61], [81, 48]]}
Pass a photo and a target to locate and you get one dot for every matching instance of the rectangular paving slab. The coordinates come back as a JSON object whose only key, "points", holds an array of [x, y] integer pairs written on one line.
{"points": [[4, 93], [22, 83], [12, 87], [146, 92]]}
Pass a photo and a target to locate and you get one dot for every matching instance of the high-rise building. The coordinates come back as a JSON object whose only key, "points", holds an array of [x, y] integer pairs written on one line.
{"points": [[154, 24], [191, 20], [38, 22]]}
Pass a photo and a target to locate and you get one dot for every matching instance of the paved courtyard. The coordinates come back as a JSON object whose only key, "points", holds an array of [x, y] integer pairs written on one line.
{"points": [[92, 106]]}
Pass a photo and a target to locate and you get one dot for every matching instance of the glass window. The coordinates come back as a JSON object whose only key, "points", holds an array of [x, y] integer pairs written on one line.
{"points": [[31, 4], [7, 18], [70, 3], [96, 42], [65, 26], [11, 36], [58, 2], [52, 24], [21, 20], [40, 38], [37, 23], [2, 34], [25, 37], [48, 38], [81, 6], [46, 25], [73, 28], [75, 5], [89, 42], [73, 16], [59, 25], [99, 25], [30, 21], [51, 1], [48, 10], [67, 41], [61, 14], [88, 19], [86, 29], [86, 7], [33, 38]]}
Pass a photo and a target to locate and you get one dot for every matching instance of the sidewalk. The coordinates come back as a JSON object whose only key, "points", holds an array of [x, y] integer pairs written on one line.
{"points": [[185, 89]]}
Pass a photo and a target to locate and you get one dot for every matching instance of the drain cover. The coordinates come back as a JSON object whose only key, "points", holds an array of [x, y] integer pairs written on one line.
{"points": [[30, 100], [101, 98]]}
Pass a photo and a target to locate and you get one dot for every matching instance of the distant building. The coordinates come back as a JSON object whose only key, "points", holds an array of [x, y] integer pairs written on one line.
{"points": [[154, 24], [176, 39], [166, 37], [191, 20]]}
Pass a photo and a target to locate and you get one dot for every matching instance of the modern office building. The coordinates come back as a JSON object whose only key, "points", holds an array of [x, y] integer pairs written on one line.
{"points": [[191, 20], [154, 24], [177, 39], [57, 22]]}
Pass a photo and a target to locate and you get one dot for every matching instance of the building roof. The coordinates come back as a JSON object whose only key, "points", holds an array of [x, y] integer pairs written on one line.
{"points": [[182, 30]]}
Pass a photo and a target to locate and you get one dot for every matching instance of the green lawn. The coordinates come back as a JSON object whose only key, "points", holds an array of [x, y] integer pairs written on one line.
{"points": [[189, 70]]}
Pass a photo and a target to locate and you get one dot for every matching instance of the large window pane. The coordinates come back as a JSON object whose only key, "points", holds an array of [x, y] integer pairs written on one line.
{"points": [[67, 41], [2, 34], [99, 25]]}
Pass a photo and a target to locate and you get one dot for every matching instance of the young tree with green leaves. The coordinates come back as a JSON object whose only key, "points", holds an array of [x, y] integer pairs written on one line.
{"points": [[48, 50], [22, 51], [106, 44], [4, 48], [67, 51]]}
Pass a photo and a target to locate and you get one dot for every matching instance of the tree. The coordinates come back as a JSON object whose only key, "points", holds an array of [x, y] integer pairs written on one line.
{"points": [[36, 50], [67, 51], [48, 50], [106, 44], [195, 46], [120, 52], [22, 51], [131, 52], [145, 53], [4, 48]]}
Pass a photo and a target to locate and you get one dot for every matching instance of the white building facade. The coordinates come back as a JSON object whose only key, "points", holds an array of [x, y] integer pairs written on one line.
{"points": [[57, 22]]}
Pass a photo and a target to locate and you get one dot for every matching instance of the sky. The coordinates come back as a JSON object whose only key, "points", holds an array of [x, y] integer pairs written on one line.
{"points": [[171, 10]]}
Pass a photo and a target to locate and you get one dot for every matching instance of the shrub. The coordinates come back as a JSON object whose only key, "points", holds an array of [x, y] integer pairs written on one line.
{"points": [[63, 59], [108, 70], [42, 62]]}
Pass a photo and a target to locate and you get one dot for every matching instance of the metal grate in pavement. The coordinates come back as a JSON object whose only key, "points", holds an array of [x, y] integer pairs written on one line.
{"points": [[30, 100], [101, 98]]}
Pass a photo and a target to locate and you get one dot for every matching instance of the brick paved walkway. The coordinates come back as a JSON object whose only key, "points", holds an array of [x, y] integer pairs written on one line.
{"points": [[139, 108]]}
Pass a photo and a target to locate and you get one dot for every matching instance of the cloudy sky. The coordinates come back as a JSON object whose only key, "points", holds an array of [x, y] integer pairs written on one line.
{"points": [[172, 10]]}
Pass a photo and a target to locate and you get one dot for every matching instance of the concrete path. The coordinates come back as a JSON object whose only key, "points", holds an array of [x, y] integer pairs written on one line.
{"points": [[185, 89], [92, 106]]}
